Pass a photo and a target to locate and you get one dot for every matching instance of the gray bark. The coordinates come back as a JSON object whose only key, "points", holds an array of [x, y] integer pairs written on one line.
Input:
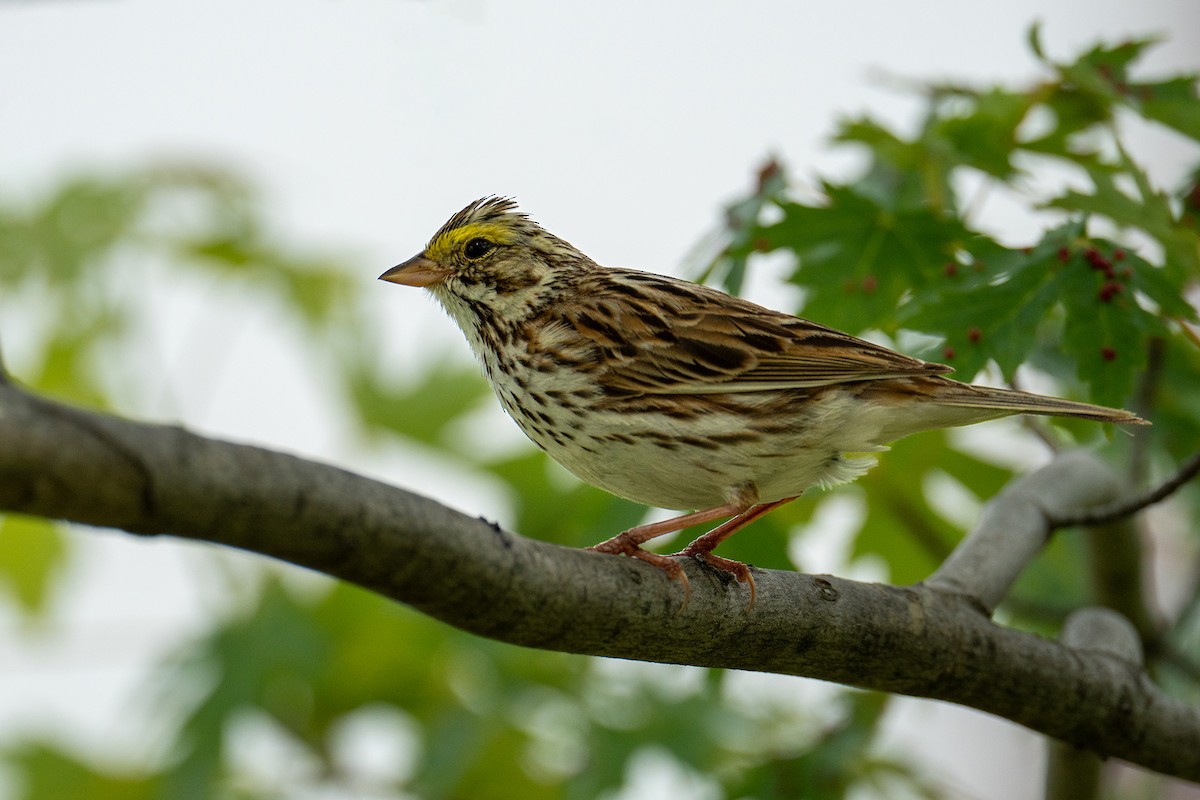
{"points": [[931, 640]]}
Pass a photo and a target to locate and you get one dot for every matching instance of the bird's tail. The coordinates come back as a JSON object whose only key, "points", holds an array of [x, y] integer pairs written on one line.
{"points": [[961, 395], [936, 402]]}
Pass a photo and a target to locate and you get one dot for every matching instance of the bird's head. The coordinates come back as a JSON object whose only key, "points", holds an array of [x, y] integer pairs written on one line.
{"points": [[489, 259]]}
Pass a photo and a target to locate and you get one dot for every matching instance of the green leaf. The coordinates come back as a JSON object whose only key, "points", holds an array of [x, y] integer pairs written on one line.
{"points": [[994, 314], [1172, 102], [985, 135], [883, 143], [486, 762], [33, 554], [553, 506], [742, 219], [68, 367], [1104, 338], [1105, 329], [320, 292], [764, 543], [423, 411], [1150, 211], [840, 763], [379, 652], [1175, 413], [1103, 72], [18, 250], [858, 259], [1052, 585], [82, 221], [267, 660], [1093, 283], [1034, 39], [900, 526], [48, 773], [904, 176], [224, 252], [1074, 113]]}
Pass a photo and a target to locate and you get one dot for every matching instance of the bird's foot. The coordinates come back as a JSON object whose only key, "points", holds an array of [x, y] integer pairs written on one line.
{"points": [[628, 546], [735, 568]]}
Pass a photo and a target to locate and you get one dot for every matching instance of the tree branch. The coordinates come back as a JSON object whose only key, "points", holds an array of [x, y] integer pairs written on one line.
{"points": [[1131, 505], [926, 640], [1073, 773], [1016, 523]]}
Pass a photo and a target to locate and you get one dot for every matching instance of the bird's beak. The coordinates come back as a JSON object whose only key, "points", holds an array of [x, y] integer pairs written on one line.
{"points": [[417, 271]]}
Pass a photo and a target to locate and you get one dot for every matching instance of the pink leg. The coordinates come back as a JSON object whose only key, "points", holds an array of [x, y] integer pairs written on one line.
{"points": [[704, 545], [628, 542]]}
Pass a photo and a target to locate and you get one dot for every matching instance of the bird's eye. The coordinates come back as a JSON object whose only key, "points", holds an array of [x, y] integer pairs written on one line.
{"points": [[478, 248]]}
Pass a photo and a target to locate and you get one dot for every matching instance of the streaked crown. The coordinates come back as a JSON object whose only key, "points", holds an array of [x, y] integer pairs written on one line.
{"points": [[491, 264], [495, 219]]}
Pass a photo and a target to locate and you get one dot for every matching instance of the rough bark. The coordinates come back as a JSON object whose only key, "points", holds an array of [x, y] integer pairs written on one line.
{"points": [[931, 640]]}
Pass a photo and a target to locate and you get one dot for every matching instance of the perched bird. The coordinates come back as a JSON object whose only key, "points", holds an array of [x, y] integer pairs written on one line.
{"points": [[677, 395]]}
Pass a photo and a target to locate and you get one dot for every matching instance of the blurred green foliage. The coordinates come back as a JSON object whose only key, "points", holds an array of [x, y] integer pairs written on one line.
{"points": [[1096, 303]]}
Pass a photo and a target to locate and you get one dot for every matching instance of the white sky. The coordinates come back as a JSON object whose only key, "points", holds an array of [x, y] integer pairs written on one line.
{"points": [[622, 126]]}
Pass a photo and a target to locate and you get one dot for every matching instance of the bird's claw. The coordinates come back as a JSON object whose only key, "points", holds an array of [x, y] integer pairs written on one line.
{"points": [[735, 568], [623, 546]]}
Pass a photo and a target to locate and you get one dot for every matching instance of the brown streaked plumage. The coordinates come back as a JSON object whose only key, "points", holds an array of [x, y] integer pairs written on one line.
{"points": [[677, 395]]}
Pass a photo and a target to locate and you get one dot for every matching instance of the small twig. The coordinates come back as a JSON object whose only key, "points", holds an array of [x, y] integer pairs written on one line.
{"points": [[1132, 505], [1188, 332], [1038, 427], [1041, 430]]}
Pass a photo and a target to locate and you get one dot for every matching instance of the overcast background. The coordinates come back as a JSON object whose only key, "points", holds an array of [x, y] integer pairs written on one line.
{"points": [[621, 126]]}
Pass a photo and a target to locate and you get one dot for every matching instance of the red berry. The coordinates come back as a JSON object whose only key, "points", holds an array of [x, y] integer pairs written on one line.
{"points": [[1097, 260], [948, 353], [973, 334], [1108, 354]]}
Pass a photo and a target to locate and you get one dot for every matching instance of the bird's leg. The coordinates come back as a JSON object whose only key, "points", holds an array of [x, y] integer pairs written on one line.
{"points": [[704, 545], [629, 542]]}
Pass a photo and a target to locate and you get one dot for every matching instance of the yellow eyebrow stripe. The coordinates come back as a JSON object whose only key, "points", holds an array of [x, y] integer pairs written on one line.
{"points": [[453, 240]]}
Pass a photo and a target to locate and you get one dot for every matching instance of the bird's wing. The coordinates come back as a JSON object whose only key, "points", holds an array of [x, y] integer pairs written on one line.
{"points": [[659, 335]]}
